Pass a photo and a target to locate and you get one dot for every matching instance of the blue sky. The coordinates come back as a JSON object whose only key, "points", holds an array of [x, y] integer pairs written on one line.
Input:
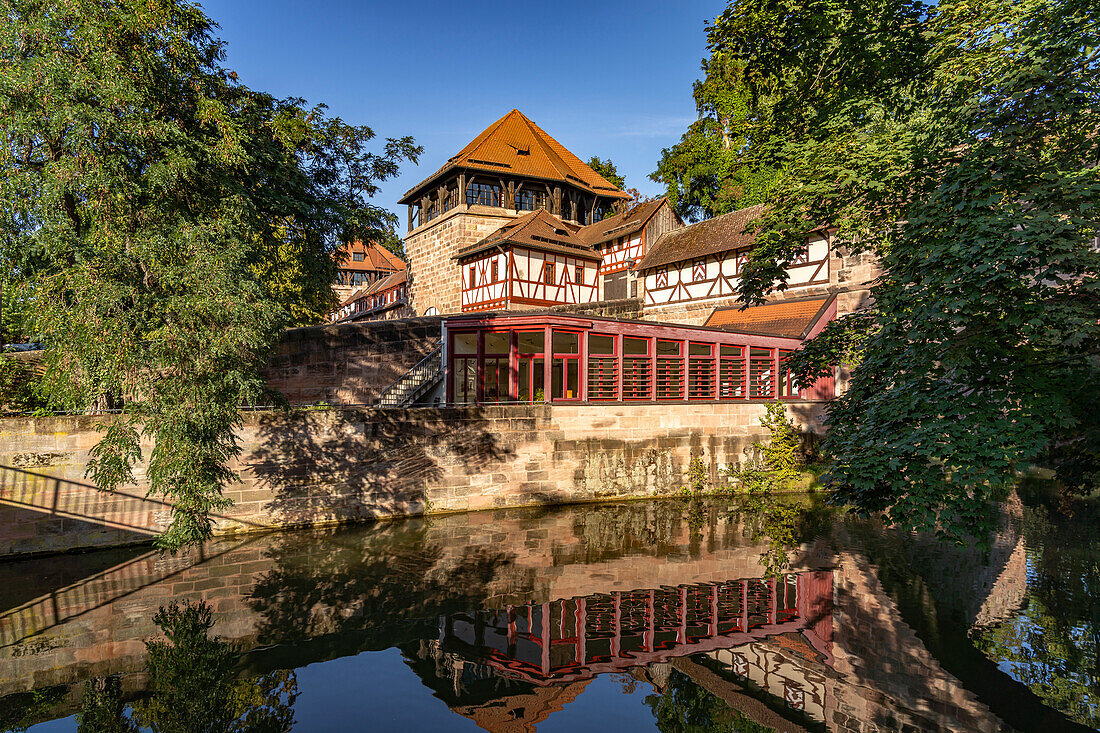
{"points": [[610, 78]]}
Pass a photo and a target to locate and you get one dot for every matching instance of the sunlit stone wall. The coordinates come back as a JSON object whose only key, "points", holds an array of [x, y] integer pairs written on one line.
{"points": [[321, 466]]}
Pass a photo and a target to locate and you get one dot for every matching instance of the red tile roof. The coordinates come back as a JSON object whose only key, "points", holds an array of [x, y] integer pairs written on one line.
{"points": [[376, 258], [787, 318], [538, 230], [516, 145], [711, 236]]}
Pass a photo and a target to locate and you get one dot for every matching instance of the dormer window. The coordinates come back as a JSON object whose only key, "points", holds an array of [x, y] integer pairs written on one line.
{"points": [[358, 256]]}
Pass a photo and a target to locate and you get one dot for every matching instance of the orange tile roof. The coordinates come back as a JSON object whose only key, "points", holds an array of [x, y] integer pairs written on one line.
{"points": [[787, 318], [376, 258], [710, 236], [516, 145], [539, 230]]}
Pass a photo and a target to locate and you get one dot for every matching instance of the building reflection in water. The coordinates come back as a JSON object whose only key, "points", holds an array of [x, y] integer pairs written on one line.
{"points": [[508, 617], [538, 657]]}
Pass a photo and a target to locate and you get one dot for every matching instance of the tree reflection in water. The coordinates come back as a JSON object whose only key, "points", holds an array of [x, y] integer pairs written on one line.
{"points": [[1052, 644], [194, 685], [685, 707]]}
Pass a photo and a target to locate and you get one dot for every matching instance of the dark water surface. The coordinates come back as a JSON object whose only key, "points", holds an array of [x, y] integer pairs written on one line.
{"points": [[639, 616]]}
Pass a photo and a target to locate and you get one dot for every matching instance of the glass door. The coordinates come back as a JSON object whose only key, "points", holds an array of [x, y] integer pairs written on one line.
{"points": [[531, 366]]}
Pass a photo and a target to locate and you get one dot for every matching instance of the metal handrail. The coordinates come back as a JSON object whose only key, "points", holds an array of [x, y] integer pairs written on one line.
{"points": [[426, 368]]}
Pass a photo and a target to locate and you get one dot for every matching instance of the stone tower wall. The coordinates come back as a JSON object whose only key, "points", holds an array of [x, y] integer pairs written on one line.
{"points": [[434, 278]]}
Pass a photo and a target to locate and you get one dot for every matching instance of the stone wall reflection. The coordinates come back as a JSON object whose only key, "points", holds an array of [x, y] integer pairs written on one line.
{"points": [[517, 610]]}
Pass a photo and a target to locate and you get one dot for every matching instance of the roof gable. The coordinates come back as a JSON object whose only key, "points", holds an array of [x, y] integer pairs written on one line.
{"points": [[710, 236], [376, 257], [539, 230], [517, 146], [622, 224]]}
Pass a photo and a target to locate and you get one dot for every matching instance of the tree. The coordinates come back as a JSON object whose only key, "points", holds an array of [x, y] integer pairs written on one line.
{"points": [[959, 145], [166, 223], [608, 170], [707, 173]]}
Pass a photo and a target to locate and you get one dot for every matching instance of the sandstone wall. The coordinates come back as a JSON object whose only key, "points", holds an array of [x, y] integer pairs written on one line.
{"points": [[310, 467], [349, 363], [95, 623], [434, 280]]}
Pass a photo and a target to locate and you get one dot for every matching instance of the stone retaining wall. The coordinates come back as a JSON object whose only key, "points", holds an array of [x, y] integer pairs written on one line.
{"points": [[325, 466], [349, 363]]}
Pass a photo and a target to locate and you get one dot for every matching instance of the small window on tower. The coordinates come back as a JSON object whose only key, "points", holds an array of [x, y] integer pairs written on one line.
{"points": [[496, 272], [578, 273], [473, 276], [548, 273]]}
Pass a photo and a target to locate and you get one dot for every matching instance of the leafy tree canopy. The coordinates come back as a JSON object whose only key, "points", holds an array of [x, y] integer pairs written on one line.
{"points": [[165, 223], [608, 170], [958, 144]]}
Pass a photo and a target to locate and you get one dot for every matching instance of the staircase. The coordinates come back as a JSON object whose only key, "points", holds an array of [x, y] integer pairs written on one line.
{"points": [[415, 383]]}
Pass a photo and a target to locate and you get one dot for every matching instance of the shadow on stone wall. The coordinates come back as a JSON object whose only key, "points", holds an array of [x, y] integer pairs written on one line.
{"points": [[351, 465]]}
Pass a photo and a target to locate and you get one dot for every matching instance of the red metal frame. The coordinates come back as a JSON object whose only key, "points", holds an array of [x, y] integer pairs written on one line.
{"points": [[717, 376]]}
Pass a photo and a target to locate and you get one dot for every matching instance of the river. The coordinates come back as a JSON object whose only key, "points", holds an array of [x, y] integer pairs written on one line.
{"points": [[649, 615]]}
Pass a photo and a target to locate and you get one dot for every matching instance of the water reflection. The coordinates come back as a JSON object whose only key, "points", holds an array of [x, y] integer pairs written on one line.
{"points": [[586, 617]]}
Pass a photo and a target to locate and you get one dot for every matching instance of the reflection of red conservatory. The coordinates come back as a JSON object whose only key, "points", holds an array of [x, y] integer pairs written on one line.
{"points": [[577, 638]]}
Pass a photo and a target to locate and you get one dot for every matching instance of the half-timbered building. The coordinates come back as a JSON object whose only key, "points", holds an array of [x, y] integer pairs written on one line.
{"points": [[535, 261], [382, 299], [512, 168], [703, 261], [621, 241], [362, 264]]}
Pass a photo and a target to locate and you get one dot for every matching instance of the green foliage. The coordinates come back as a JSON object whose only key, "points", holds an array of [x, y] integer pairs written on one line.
{"points": [[166, 224], [772, 465], [1051, 643], [102, 709], [194, 684], [957, 144], [608, 170], [686, 707], [772, 468], [20, 386], [698, 475], [706, 173]]}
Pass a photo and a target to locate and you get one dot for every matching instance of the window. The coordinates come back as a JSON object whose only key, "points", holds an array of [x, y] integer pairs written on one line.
{"points": [[465, 358], [483, 194], [531, 200], [496, 350], [670, 370], [495, 271], [565, 367], [578, 273], [603, 368], [636, 369], [548, 273], [731, 373], [700, 371], [761, 373], [359, 256], [473, 276], [788, 387], [530, 363]]}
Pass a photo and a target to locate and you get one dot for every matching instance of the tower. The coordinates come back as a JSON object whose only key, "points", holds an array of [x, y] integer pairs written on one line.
{"points": [[511, 168]]}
